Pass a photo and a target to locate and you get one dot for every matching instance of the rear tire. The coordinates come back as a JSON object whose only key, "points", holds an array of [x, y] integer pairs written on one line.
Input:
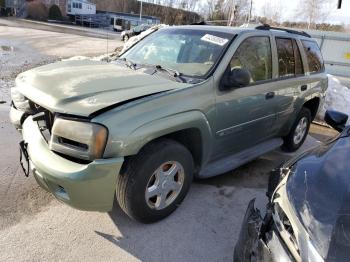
{"points": [[299, 131], [153, 172]]}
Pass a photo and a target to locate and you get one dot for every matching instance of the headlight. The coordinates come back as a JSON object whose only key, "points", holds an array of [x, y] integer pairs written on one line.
{"points": [[19, 100], [83, 140]]}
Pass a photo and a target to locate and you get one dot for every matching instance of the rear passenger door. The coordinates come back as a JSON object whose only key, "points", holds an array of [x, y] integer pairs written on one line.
{"points": [[290, 80]]}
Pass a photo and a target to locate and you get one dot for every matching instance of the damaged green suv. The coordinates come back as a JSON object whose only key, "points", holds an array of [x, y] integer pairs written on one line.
{"points": [[190, 101]]}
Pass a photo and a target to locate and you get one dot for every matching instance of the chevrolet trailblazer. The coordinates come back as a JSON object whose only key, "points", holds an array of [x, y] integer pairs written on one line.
{"points": [[188, 101]]}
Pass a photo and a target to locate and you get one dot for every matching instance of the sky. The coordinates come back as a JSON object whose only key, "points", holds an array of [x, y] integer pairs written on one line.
{"points": [[289, 6]]}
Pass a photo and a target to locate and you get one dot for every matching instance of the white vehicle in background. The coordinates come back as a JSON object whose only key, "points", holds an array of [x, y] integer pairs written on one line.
{"points": [[117, 24]]}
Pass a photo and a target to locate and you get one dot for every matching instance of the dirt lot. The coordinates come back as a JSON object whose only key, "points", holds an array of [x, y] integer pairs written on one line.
{"points": [[36, 227]]}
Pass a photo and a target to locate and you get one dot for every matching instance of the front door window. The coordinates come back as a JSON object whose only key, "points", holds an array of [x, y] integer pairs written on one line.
{"points": [[254, 54]]}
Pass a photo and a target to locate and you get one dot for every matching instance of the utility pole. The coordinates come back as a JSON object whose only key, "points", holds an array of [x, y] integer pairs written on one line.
{"points": [[339, 4], [141, 11], [250, 11]]}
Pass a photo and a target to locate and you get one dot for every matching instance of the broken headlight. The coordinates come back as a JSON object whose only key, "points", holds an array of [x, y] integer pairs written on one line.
{"points": [[78, 139], [19, 100]]}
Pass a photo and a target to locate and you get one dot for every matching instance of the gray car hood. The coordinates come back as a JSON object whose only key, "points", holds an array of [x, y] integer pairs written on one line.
{"points": [[82, 87]]}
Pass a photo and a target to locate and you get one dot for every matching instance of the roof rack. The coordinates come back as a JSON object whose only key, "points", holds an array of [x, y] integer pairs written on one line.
{"points": [[268, 27]]}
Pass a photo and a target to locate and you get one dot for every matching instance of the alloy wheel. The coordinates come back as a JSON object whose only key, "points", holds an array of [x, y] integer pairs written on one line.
{"points": [[300, 130], [165, 185]]}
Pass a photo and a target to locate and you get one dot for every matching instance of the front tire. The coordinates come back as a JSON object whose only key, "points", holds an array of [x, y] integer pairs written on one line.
{"points": [[299, 131], [155, 181]]}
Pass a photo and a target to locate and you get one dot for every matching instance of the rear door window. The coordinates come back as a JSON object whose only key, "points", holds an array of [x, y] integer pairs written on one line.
{"points": [[314, 56], [254, 54], [286, 59]]}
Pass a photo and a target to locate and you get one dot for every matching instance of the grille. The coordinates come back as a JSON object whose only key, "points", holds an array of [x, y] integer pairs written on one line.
{"points": [[47, 122]]}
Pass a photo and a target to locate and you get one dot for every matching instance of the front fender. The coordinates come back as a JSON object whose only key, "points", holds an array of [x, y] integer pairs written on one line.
{"points": [[167, 125]]}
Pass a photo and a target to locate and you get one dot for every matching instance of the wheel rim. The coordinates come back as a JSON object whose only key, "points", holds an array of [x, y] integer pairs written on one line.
{"points": [[165, 185], [300, 130]]}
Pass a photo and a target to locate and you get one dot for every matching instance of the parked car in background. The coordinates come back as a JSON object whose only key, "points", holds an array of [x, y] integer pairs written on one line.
{"points": [[125, 35], [308, 213], [184, 102], [133, 40]]}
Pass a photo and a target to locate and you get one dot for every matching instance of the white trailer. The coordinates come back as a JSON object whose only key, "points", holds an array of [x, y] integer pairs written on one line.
{"points": [[335, 47], [80, 7]]}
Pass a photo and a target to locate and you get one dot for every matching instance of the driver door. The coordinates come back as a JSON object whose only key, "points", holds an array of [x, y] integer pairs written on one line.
{"points": [[246, 115]]}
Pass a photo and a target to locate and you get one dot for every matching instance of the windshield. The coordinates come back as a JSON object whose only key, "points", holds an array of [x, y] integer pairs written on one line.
{"points": [[191, 52]]}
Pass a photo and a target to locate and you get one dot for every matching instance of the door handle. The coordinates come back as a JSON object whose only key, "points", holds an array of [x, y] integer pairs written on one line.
{"points": [[270, 95], [303, 87]]}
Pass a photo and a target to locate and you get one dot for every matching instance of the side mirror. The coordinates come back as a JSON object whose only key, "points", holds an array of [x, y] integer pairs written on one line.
{"points": [[336, 119], [236, 78]]}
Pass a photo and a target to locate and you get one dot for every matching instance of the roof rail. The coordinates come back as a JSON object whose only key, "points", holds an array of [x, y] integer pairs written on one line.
{"points": [[268, 27]]}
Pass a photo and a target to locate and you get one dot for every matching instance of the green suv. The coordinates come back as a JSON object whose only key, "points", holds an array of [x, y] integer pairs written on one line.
{"points": [[185, 102]]}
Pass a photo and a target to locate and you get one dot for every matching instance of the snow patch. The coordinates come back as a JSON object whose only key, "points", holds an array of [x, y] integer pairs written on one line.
{"points": [[96, 58], [337, 98]]}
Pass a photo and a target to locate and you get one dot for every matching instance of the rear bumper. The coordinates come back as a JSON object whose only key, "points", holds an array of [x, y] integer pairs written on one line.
{"points": [[82, 186]]}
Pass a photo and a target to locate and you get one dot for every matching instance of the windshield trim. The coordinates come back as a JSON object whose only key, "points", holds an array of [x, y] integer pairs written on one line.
{"points": [[211, 70]]}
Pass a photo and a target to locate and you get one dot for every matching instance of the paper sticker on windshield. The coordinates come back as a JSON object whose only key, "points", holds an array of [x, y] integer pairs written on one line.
{"points": [[214, 39]]}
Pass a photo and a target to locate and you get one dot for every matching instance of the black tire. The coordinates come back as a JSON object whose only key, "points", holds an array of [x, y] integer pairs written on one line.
{"points": [[289, 144], [133, 181]]}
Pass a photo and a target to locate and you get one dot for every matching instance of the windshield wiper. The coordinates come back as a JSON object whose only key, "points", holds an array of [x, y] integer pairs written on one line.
{"points": [[172, 72], [128, 63]]}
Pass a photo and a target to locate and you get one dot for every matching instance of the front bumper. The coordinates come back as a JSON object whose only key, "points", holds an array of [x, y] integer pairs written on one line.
{"points": [[82, 186], [255, 245]]}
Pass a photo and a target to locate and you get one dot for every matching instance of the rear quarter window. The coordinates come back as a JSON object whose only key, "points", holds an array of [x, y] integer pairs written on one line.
{"points": [[314, 56]]}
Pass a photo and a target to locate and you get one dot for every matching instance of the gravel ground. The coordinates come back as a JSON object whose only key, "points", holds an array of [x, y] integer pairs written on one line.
{"points": [[36, 227]]}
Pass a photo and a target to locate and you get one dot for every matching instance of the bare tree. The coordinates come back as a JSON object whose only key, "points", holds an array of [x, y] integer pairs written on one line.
{"points": [[192, 5], [314, 11], [273, 11], [210, 5], [238, 11]]}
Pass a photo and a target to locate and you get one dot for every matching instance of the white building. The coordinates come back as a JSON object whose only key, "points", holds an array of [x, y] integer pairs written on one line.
{"points": [[80, 7]]}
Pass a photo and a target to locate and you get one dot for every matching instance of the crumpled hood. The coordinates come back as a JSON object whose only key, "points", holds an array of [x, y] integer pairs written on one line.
{"points": [[82, 87]]}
